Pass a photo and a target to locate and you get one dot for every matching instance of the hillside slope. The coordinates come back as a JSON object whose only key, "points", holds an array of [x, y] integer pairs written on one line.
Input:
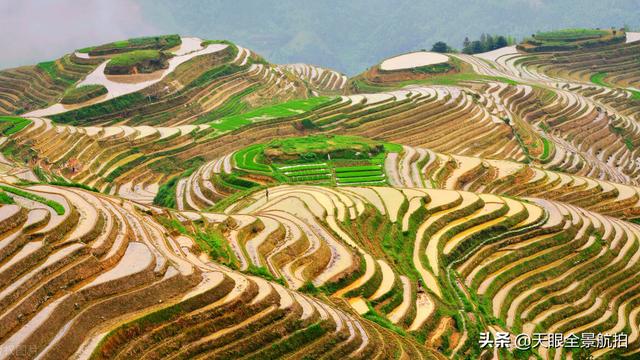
{"points": [[223, 206]]}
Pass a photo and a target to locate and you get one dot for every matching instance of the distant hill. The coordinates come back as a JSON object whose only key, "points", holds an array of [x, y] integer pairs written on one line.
{"points": [[345, 36], [349, 36]]}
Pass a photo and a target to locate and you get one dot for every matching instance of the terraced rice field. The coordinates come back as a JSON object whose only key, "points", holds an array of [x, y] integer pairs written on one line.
{"points": [[319, 79], [121, 263], [413, 60], [227, 207]]}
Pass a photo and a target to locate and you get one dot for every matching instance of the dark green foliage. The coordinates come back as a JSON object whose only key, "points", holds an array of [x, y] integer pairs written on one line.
{"points": [[569, 34], [314, 147], [308, 124], [501, 42], [59, 209], [17, 152], [236, 182], [233, 106], [10, 125], [382, 321], [212, 241], [264, 273], [441, 47], [51, 69], [118, 104], [134, 57], [53, 179], [433, 69], [476, 47], [166, 195], [5, 199], [486, 43], [309, 288], [163, 42], [75, 185], [83, 93], [571, 39], [138, 61]]}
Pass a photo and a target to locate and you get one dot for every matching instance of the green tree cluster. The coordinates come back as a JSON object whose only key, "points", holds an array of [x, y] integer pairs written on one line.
{"points": [[441, 47], [486, 43]]}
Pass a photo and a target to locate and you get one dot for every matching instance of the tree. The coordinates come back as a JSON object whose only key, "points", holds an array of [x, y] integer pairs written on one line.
{"points": [[501, 42], [489, 43], [476, 47], [466, 43], [486, 43], [440, 47]]}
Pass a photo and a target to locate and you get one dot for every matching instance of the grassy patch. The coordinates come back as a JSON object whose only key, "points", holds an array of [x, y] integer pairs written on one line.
{"points": [[215, 244], [233, 106], [10, 125], [324, 159], [209, 42], [628, 143], [570, 34], [360, 174], [86, 50], [235, 182], [309, 288], [209, 239], [118, 104], [287, 109], [83, 93], [264, 273], [166, 195], [598, 79], [361, 86], [251, 158], [59, 209], [314, 147], [51, 69], [373, 315], [5, 199], [138, 59], [546, 149], [570, 39], [162, 42], [433, 69], [362, 168]]}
